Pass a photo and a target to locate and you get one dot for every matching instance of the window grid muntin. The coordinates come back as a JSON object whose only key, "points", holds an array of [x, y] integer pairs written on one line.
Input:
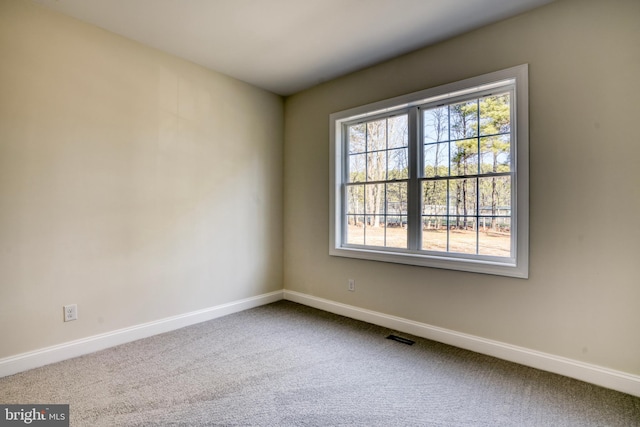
{"points": [[508, 90], [474, 96], [385, 215], [517, 265], [347, 182]]}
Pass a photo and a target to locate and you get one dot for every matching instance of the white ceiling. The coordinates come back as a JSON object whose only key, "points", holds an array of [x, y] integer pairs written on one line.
{"points": [[286, 46]]}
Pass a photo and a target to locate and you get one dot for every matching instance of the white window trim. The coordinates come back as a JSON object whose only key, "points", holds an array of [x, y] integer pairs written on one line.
{"points": [[518, 266]]}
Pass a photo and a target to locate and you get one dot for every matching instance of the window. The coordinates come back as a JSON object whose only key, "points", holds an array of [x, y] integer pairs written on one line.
{"points": [[437, 178]]}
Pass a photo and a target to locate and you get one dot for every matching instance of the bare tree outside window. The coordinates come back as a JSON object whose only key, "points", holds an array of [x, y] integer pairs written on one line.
{"points": [[377, 188]]}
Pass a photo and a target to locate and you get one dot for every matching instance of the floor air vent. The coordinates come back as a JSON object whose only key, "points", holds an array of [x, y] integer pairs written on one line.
{"points": [[400, 339]]}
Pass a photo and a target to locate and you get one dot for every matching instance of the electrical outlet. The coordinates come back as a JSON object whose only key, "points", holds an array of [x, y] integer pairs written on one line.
{"points": [[352, 285], [70, 312]]}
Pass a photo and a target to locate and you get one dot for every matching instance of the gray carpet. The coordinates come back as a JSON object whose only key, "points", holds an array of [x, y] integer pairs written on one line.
{"points": [[285, 364]]}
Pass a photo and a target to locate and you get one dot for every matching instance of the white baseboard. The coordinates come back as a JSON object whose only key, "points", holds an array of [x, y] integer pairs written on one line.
{"points": [[33, 359], [604, 377]]}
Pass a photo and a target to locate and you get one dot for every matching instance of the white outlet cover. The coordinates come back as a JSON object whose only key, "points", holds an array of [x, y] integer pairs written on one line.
{"points": [[70, 312]]}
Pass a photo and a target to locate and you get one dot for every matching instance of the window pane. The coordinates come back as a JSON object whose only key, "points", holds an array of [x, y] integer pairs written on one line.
{"points": [[398, 164], [377, 166], [495, 196], [357, 138], [355, 199], [462, 196], [355, 230], [494, 237], [396, 231], [436, 160], [357, 166], [377, 135], [374, 199], [462, 235], [464, 119], [464, 157], [398, 131], [436, 124], [434, 233], [434, 198], [496, 154], [374, 230], [397, 198], [495, 115]]}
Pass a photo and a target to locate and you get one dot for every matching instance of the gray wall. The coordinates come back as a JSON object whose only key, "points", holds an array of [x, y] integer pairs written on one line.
{"points": [[132, 183], [582, 298]]}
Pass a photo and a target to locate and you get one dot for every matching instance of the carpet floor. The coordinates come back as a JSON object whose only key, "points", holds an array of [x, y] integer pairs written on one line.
{"points": [[285, 364]]}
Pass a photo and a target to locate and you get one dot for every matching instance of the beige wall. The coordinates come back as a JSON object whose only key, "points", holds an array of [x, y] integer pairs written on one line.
{"points": [[140, 186], [583, 296], [132, 183]]}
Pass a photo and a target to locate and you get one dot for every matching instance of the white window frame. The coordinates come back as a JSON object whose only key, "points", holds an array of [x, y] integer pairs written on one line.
{"points": [[515, 266]]}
